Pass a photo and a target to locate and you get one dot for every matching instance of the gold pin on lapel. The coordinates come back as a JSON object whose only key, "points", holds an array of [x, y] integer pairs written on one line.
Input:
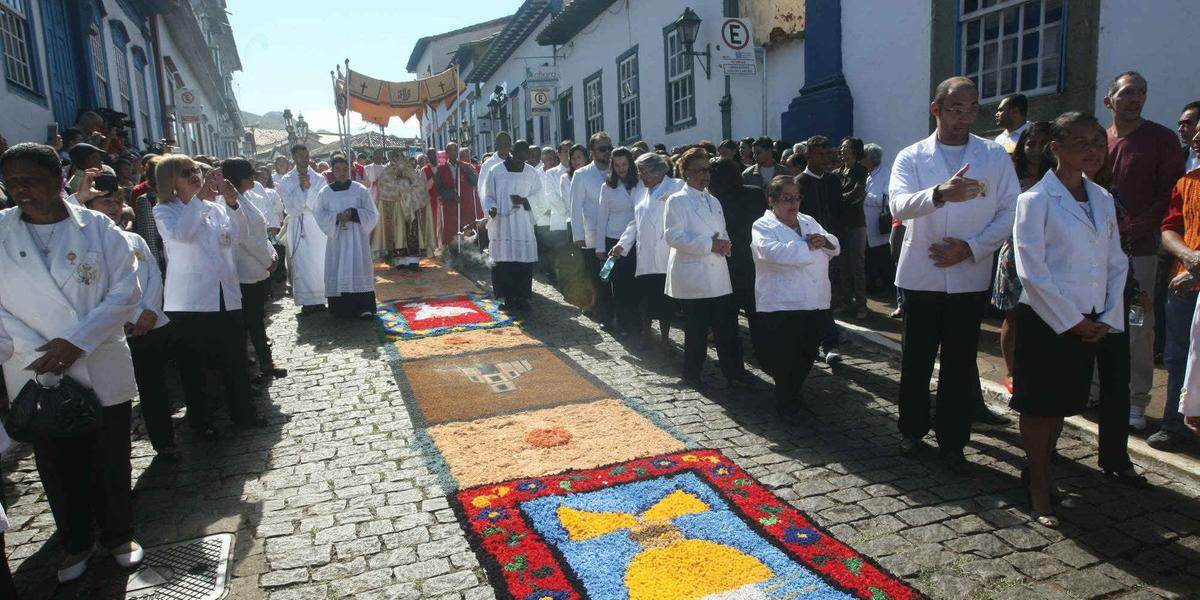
{"points": [[71, 257]]}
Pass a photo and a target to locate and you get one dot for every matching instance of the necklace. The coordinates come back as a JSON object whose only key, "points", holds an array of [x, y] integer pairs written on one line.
{"points": [[43, 247]]}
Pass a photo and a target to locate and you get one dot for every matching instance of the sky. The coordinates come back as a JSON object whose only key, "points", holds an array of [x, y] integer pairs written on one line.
{"points": [[289, 47]]}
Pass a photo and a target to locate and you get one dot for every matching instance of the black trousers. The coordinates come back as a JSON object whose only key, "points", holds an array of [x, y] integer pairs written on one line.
{"points": [[602, 309], [720, 316], [793, 340], [87, 480], [217, 339], [880, 271], [624, 288], [513, 281], [280, 275], [254, 311], [150, 353], [741, 277], [1112, 362], [652, 290], [949, 322]]}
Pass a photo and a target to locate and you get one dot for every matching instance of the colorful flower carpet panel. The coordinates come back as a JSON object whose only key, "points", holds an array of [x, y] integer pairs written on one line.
{"points": [[683, 525], [481, 385], [551, 440], [425, 317], [464, 342], [432, 280]]}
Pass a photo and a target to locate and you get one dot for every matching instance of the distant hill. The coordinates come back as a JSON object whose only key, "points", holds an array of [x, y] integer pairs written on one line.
{"points": [[271, 120]]}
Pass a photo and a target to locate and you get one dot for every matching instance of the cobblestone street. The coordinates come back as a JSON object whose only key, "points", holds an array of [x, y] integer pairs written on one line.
{"points": [[335, 497]]}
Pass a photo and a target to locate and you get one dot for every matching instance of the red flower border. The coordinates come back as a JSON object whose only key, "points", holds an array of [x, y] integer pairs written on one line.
{"points": [[512, 551]]}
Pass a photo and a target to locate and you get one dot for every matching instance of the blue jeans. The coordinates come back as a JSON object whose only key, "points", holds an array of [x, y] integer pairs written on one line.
{"points": [[1175, 353]]}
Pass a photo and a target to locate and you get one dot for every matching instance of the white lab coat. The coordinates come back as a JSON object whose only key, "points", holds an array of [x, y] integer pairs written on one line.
{"points": [[877, 188], [349, 267], [788, 275], [305, 240], [268, 202], [692, 218], [1189, 396], [85, 297], [615, 211], [983, 222], [647, 229], [200, 239], [585, 206], [550, 209], [511, 230], [254, 253], [484, 170], [150, 281], [1069, 266]]}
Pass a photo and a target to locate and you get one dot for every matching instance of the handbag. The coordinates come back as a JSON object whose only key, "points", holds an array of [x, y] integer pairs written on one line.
{"points": [[885, 217], [62, 410]]}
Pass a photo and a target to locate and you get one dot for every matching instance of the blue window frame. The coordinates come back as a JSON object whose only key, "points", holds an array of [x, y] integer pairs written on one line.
{"points": [[19, 49]]}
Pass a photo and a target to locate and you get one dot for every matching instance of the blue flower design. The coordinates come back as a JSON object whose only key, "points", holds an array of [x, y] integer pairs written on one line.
{"points": [[804, 536], [492, 514], [531, 486], [721, 470], [663, 463], [548, 595]]}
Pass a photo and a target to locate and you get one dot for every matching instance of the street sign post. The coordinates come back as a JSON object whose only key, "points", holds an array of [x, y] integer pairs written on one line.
{"points": [[187, 106], [736, 52], [539, 101]]}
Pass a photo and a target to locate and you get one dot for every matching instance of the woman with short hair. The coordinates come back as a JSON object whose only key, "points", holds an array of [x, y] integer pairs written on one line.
{"points": [[78, 288], [201, 227]]}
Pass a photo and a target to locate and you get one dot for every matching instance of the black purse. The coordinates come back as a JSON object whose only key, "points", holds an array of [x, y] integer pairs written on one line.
{"points": [[58, 411], [885, 217]]}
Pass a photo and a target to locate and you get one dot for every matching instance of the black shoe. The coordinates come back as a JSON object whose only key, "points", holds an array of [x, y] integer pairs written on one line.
{"points": [[984, 418], [1129, 477], [956, 463], [276, 372], [1169, 441], [910, 446], [745, 380]]}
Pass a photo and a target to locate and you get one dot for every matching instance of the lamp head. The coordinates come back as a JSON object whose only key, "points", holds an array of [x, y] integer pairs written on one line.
{"points": [[688, 26]]}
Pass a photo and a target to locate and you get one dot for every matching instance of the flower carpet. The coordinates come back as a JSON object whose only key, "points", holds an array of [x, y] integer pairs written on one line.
{"points": [[566, 491]]}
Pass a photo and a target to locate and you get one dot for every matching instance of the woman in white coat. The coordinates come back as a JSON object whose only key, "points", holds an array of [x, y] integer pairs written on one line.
{"points": [[347, 215], [618, 196], [698, 274], [78, 288], [1072, 269], [648, 235], [791, 290], [203, 297]]}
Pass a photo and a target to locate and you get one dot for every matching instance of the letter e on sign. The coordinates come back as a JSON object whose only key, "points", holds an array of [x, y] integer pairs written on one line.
{"points": [[735, 34]]}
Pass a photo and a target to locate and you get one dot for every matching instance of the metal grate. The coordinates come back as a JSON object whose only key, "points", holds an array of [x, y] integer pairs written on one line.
{"points": [[192, 570]]}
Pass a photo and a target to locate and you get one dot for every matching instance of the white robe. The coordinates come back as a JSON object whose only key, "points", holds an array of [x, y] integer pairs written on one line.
{"points": [[511, 230], [305, 240], [371, 174], [349, 267]]}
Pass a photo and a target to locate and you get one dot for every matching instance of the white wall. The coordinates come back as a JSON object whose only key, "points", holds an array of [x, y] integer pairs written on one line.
{"points": [[785, 77], [209, 105], [22, 117], [1158, 40], [885, 58], [512, 72]]}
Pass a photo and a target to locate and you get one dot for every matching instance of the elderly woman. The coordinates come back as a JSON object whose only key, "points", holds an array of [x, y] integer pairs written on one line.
{"points": [[78, 288], [618, 195], [1072, 270], [202, 227], [791, 286], [647, 234], [347, 215], [698, 274]]}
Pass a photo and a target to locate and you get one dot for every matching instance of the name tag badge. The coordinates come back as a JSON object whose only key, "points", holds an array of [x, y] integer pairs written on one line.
{"points": [[983, 188], [226, 239]]}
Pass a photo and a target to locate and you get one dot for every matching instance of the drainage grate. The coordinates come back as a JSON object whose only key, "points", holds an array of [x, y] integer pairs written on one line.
{"points": [[193, 570]]}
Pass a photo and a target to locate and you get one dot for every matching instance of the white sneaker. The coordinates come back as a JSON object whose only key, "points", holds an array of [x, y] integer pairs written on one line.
{"points": [[1137, 418], [74, 567], [832, 358]]}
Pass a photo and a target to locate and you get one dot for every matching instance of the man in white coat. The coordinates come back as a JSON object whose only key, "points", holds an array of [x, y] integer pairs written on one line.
{"points": [[513, 246], [957, 193], [586, 231], [550, 213], [300, 189]]}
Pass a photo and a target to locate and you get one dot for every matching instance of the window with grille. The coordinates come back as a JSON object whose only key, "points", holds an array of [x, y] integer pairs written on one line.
{"points": [[123, 81], [1012, 46], [628, 106], [143, 101], [593, 104], [18, 63], [98, 68], [681, 83]]}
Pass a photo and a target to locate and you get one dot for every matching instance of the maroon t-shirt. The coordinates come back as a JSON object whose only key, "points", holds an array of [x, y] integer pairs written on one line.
{"points": [[1145, 164]]}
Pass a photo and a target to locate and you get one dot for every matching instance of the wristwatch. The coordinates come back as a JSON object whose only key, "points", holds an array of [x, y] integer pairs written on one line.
{"points": [[937, 196]]}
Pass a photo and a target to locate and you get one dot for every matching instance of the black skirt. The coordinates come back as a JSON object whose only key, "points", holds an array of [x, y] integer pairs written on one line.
{"points": [[352, 304], [1052, 373]]}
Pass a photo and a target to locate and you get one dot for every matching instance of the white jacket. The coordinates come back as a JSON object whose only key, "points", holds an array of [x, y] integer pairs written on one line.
{"points": [[85, 297], [1069, 266], [692, 219], [269, 203], [647, 229], [150, 280], [788, 275], [615, 211], [254, 253], [551, 210], [585, 204], [984, 223], [200, 238], [1189, 396]]}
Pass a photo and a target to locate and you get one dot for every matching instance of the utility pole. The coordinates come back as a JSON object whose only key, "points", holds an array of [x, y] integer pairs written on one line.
{"points": [[726, 104]]}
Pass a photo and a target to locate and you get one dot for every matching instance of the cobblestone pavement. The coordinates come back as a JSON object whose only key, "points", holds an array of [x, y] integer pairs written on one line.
{"points": [[334, 499]]}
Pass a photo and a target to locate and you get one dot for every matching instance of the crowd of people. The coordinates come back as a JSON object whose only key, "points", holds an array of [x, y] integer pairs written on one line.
{"points": [[133, 262]]}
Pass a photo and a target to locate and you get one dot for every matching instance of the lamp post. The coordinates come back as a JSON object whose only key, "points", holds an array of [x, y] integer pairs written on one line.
{"points": [[248, 145], [287, 124], [688, 27], [302, 129]]}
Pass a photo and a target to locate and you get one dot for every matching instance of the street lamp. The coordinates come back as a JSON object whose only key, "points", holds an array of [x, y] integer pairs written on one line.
{"points": [[302, 128], [248, 145], [287, 124], [688, 27]]}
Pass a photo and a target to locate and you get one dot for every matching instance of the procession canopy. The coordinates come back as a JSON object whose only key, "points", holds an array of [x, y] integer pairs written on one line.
{"points": [[378, 100]]}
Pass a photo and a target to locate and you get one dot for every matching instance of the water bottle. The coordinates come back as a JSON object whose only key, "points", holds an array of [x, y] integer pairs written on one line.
{"points": [[607, 269], [1137, 315]]}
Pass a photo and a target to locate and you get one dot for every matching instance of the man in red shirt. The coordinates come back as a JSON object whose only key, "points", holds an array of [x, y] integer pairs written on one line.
{"points": [[1146, 161], [455, 189]]}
